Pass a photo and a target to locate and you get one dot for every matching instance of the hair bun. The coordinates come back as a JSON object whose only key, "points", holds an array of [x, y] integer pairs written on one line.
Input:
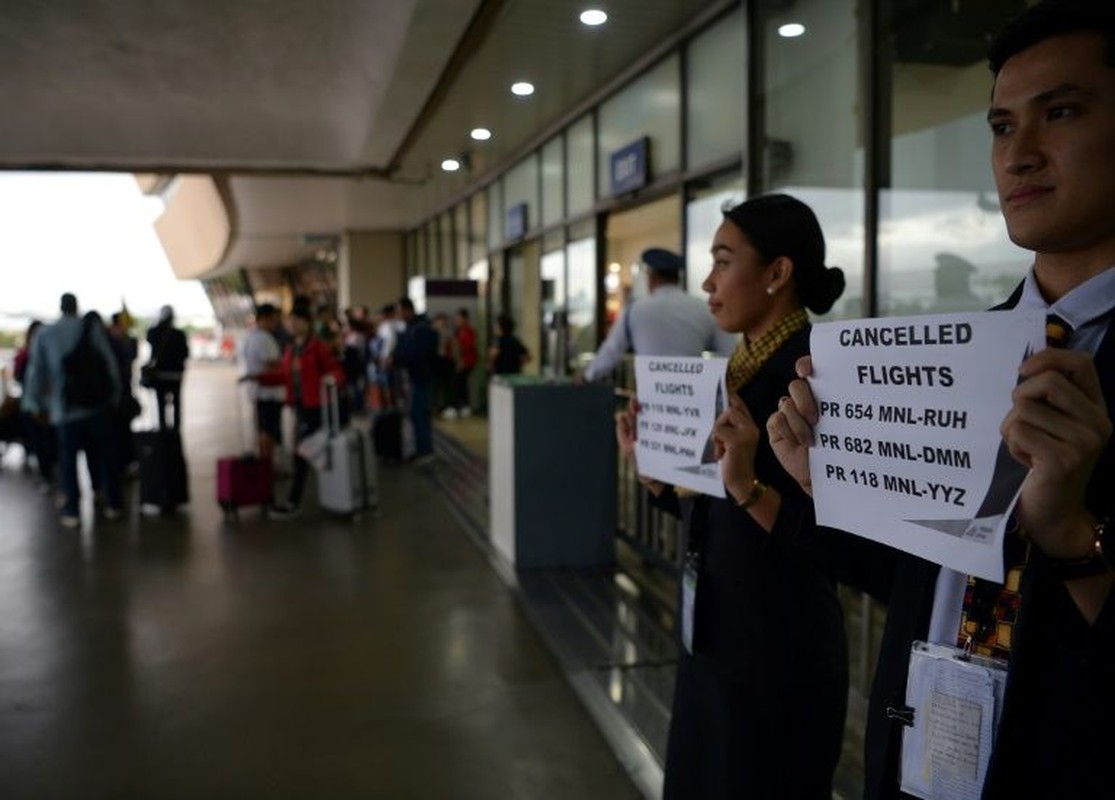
{"points": [[823, 293]]}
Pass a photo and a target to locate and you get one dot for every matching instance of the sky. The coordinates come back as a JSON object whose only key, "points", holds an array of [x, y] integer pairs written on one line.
{"points": [[91, 234]]}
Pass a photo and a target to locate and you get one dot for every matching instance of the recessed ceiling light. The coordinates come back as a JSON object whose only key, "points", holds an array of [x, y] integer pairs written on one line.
{"points": [[522, 89], [593, 17], [791, 30], [480, 134], [450, 165]]}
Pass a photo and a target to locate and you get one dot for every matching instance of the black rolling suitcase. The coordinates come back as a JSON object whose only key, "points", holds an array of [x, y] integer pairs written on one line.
{"points": [[163, 480], [393, 435]]}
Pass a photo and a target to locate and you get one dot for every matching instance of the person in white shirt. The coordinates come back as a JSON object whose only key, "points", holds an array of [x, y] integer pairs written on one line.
{"points": [[669, 322], [261, 355]]}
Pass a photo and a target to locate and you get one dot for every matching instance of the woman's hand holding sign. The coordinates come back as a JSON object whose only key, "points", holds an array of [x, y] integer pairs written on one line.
{"points": [[735, 436], [626, 437], [790, 428]]}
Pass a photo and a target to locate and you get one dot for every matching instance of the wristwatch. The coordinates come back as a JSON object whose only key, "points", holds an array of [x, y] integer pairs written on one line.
{"points": [[1094, 563]]}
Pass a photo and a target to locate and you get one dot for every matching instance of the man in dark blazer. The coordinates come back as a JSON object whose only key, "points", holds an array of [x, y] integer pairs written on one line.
{"points": [[1052, 121]]}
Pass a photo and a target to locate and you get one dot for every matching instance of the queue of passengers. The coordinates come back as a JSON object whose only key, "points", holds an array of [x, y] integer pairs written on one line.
{"points": [[77, 395]]}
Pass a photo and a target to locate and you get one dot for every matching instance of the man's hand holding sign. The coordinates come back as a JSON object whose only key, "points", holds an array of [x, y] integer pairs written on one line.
{"points": [[1056, 426]]}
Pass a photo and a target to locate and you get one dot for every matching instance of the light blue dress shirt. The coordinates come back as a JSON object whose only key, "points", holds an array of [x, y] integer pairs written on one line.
{"points": [[668, 322]]}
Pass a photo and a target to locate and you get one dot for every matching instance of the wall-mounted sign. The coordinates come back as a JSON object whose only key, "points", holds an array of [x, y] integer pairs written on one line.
{"points": [[516, 222], [630, 167]]}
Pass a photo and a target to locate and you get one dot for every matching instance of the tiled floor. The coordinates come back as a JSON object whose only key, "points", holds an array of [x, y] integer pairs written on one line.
{"points": [[194, 657]]}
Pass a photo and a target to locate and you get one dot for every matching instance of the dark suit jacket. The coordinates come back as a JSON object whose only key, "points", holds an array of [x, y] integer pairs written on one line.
{"points": [[1058, 722], [169, 349]]}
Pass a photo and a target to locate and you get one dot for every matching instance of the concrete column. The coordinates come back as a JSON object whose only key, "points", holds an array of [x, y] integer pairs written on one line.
{"points": [[370, 269]]}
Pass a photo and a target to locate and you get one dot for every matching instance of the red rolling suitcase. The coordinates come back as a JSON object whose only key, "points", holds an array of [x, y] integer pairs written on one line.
{"points": [[244, 481]]}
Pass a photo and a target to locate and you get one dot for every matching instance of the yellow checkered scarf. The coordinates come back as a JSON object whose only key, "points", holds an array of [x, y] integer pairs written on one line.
{"points": [[749, 356]]}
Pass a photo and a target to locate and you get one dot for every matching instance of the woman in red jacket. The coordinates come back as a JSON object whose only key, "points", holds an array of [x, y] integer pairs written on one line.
{"points": [[306, 362]]}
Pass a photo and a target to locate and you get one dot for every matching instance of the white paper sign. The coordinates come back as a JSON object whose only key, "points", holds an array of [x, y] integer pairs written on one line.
{"points": [[907, 451], [680, 399]]}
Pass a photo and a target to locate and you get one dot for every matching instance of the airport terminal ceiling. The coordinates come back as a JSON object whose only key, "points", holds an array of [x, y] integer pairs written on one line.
{"points": [[315, 117]]}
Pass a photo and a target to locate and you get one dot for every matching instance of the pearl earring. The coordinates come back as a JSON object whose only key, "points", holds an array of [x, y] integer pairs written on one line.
{"points": [[770, 290]]}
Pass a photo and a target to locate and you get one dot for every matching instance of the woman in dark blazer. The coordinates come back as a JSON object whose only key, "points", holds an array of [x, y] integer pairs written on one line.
{"points": [[761, 688]]}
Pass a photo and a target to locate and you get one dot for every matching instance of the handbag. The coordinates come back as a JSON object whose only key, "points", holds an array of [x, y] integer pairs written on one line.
{"points": [[314, 448], [130, 407], [147, 375]]}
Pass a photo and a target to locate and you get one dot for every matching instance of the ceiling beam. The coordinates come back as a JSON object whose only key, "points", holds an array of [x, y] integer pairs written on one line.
{"points": [[477, 31]]}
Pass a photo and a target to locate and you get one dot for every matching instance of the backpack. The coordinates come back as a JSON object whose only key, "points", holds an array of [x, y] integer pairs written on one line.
{"points": [[87, 383]]}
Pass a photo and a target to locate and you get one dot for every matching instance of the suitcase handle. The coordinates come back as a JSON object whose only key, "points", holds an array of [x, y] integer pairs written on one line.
{"points": [[330, 405]]}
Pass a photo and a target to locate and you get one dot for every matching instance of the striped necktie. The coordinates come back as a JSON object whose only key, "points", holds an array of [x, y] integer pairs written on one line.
{"points": [[990, 609]]}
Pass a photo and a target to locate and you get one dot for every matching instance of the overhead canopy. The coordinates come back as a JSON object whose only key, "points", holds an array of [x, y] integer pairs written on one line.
{"points": [[314, 117]]}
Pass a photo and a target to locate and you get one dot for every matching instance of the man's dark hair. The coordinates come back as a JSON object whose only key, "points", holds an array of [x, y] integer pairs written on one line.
{"points": [[665, 277], [68, 304], [388, 308], [406, 304], [463, 312], [302, 304], [1051, 18]]}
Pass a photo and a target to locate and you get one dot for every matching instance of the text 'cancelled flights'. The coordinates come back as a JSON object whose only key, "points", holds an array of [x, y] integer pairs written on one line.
{"points": [[680, 399], [907, 451]]}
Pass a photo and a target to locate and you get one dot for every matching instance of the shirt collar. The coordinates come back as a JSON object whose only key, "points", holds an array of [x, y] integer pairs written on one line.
{"points": [[1085, 303]]}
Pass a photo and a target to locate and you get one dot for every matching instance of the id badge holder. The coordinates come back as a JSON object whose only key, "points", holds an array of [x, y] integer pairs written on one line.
{"points": [[688, 600], [951, 716]]}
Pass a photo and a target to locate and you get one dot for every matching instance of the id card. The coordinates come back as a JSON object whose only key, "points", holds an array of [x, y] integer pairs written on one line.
{"points": [[688, 600], [955, 700]]}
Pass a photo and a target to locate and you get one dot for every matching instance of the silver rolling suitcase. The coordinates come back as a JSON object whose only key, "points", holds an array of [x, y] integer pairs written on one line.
{"points": [[347, 482]]}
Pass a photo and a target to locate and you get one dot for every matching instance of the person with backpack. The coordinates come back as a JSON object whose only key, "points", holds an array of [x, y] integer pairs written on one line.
{"points": [[72, 381]]}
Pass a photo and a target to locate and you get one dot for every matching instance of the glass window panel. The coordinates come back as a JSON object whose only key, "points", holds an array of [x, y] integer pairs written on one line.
{"points": [[423, 267], [581, 265], [478, 239], [448, 249], [553, 182], [408, 253], [813, 144], [520, 185], [649, 106], [703, 215], [495, 217], [716, 116], [554, 347], [433, 244], [582, 154], [943, 245], [460, 239]]}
